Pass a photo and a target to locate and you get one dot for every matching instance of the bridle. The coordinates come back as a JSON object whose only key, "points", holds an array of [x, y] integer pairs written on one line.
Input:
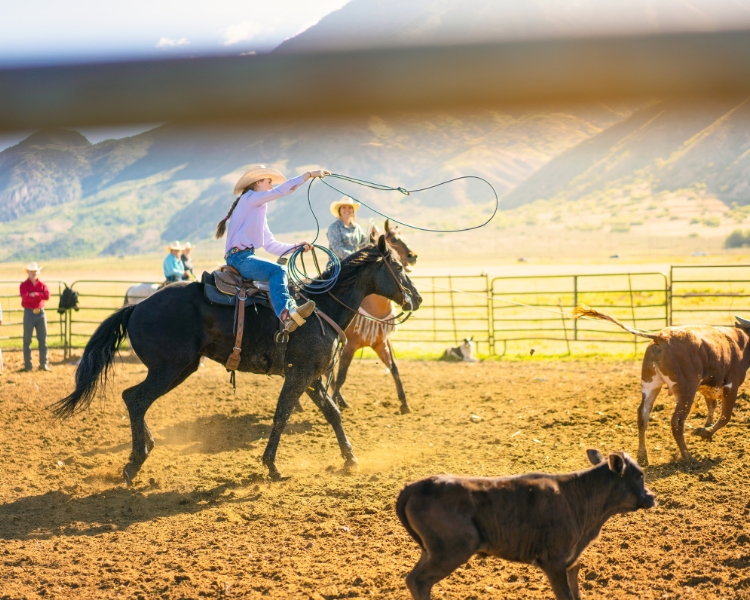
{"points": [[405, 297]]}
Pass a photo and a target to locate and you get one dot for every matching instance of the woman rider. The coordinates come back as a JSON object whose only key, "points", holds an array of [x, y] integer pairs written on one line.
{"points": [[344, 235], [174, 270], [248, 232]]}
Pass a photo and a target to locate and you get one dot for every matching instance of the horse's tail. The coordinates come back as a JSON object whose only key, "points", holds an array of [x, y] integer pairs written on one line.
{"points": [[96, 363], [585, 311]]}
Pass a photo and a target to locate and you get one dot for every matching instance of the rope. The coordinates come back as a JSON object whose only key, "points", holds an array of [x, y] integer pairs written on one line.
{"points": [[406, 192], [298, 274]]}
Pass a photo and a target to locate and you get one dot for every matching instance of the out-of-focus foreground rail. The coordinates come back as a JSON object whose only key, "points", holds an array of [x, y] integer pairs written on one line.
{"points": [[341, 84]]}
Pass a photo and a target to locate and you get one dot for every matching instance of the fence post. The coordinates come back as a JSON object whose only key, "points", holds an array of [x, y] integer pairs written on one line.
{"points": [[669, 291], [453, 309], [490, 314], [632, 314], [565, 327], [575, 303]]}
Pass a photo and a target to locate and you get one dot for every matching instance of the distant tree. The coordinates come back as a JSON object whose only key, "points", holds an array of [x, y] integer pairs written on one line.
{"points": [[737, 239]]}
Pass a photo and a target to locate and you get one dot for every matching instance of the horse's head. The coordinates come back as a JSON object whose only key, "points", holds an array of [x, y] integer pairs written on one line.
{"points": [[396, 241], [392, 281]]}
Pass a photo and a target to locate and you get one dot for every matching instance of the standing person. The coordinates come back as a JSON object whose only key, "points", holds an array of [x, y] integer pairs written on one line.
{"points": [[33, 295], [187, 262], [344, 235], [248, 232], [174, 270]]}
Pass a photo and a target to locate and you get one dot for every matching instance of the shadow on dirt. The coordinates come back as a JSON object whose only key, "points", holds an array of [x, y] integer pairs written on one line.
{"points": [[60, 514], [213, 434], [700, 467]]}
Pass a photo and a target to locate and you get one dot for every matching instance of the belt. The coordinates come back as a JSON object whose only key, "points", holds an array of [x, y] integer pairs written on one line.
{"points": [[236, 250], [36, 311]]}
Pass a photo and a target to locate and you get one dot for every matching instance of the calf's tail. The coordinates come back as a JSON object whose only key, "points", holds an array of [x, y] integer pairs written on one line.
{"points": [[586, 311], [96, 363], [401, 502]]}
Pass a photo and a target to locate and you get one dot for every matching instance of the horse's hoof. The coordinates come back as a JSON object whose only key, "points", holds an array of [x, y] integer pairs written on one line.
{"points": [[129, 472], [298, 408], [342, 403], [275, 475], [405, 410], [643, 459], [351, 466], [704, 433]]}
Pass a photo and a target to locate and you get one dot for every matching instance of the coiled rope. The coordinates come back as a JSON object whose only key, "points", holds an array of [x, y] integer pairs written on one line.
{"points": [[298, 274]]}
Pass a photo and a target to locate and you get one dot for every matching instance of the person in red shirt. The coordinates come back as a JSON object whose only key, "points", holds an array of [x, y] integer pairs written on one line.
{"points": [[33, 295]]}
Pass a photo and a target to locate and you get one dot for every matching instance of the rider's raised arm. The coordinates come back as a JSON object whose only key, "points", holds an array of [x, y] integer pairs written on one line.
{"points": [[284, 189]]}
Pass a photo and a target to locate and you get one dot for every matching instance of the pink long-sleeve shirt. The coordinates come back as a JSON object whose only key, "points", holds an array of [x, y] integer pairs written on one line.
{"points": [[248, 226]]}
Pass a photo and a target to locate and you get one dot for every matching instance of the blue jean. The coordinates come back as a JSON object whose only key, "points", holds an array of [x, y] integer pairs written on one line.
{"points": [[31, 322], [259, 269]]}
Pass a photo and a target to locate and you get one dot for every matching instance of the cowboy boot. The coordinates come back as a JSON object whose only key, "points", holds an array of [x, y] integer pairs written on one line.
{"points": [[295, 318], [304, 311]]}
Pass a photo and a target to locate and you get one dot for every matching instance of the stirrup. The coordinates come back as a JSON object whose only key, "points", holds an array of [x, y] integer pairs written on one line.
{"points": [[289, 324]]}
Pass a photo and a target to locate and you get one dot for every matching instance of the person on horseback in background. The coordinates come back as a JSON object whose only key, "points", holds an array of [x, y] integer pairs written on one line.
{"points": [[174, 270], [248, 231], [344, 235], [187, 262]]}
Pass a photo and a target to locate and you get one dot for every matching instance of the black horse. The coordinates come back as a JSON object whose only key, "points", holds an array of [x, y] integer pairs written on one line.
{"points": [[172, 329]]}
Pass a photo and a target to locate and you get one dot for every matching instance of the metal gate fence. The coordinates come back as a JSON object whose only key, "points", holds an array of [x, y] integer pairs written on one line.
{"points": [[496, 313], [710, 294], [538, 308]]}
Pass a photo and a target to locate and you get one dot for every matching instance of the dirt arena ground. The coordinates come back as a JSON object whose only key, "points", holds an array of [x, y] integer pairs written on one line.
{"points": [[203, 522]]}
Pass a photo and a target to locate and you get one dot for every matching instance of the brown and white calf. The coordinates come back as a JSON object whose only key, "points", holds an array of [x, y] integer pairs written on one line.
{"points": [[689, 359], [537, 519]]}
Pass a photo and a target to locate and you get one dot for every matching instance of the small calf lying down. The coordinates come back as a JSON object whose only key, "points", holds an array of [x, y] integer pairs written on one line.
{"points": [[688, 359], [464, 352], [537, 519]]}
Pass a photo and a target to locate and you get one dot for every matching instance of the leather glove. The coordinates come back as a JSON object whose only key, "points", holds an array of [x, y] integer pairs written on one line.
{"points": [[319, 173]]}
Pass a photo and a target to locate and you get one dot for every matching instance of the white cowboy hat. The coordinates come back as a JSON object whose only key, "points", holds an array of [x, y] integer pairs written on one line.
{"points": [[175, 246], [32, 266], [256, 174], [188, 246], [345, 201]]}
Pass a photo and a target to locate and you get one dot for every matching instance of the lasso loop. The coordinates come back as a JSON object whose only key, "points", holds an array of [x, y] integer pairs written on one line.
{"points": [[316, 284]]}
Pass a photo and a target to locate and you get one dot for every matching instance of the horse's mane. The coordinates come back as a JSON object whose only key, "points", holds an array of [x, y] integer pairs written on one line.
{"points": [[352, 264]]}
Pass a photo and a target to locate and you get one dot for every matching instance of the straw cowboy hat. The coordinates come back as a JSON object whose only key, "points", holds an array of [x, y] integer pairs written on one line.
{"points": [[175, 246], [256, 174], [32, 266], [345, 201]]}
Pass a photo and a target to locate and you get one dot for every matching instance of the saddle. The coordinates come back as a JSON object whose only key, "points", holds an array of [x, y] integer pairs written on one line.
{"points": [[226, 287]]}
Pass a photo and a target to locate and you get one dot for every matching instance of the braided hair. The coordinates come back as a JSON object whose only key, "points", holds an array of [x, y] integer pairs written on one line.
{"points": [[221, 226]]}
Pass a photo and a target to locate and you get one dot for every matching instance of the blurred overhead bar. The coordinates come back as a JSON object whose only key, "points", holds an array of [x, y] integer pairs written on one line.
{"points": [[257, 89]]}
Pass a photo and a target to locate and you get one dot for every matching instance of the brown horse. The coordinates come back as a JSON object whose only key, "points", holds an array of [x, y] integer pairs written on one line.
{"points": [[363, 332]]}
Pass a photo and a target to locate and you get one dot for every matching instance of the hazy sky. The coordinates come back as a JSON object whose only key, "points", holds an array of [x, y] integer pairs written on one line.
{"points": [[52, 31], [41, 32]]}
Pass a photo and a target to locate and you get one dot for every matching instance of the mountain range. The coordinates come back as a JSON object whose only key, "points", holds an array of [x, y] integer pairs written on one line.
{"points": [[61, 196]]}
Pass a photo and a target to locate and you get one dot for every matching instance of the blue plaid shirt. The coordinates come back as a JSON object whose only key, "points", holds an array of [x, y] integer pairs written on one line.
{"points": [[345, 240]]}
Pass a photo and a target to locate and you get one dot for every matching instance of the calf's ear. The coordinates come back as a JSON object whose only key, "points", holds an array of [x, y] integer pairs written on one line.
{"points": [[595, 457], [617, 463]]}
